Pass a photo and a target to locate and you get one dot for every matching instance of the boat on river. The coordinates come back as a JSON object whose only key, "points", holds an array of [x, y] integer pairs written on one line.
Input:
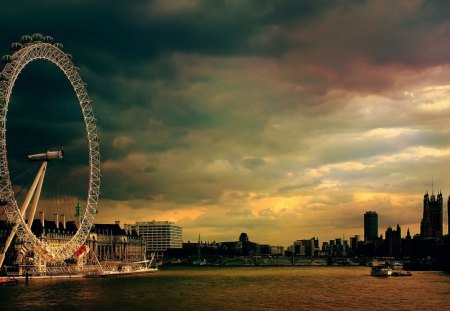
{"points": [[381, 270], [119, 269], [8, 281], [401, 273]]}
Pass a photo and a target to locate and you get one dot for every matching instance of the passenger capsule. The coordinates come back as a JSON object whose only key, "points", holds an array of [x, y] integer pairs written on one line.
{"points": [[59, 46], [6, 59], [26, 39], [56, 154], [16, 46], [69, 56], [37, 37], [48, 39]]}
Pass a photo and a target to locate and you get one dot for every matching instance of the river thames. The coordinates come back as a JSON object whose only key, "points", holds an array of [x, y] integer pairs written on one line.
{"points": [[236, 288]]}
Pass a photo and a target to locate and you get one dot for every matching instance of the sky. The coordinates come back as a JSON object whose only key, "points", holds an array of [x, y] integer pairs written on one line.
{"points": [[283, 119]]}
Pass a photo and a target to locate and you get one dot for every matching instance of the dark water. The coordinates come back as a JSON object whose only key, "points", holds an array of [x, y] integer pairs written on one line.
{"points": [[240, 288]]}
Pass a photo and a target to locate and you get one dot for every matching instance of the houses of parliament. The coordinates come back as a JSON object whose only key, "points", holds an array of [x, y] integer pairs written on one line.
{"points": [[431, 226]]}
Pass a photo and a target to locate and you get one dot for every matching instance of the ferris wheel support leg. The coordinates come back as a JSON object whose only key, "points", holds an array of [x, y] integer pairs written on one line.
{"points": [[37, 195], [33, 188], [22, 211]]}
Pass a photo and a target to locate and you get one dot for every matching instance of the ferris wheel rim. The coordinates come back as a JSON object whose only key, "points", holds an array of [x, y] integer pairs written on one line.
{"points": [[27, 53]]}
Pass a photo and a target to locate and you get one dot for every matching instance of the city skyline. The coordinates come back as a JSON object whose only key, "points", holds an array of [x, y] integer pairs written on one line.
{"points": [[286, 120]]}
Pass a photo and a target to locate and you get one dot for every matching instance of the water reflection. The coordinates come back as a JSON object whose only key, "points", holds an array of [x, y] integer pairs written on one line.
{"points": [[249, 288]]}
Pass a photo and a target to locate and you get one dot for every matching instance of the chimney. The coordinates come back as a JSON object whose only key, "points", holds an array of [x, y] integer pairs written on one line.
{"points": [[117, 222], [41, 217], [56, 216], [63, 219]]}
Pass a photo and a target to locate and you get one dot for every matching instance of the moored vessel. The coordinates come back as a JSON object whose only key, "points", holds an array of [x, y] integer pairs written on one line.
{"points": [[119, 272], [401, 273], [381, 270], [118, 269], [8, 281]]}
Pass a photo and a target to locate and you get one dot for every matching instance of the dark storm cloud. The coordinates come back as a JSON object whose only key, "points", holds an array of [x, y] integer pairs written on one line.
{"points": [[112, 38], [140, 30]]}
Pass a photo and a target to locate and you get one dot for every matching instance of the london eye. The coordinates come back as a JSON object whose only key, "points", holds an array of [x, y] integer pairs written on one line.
{"points": [[24, 52]]}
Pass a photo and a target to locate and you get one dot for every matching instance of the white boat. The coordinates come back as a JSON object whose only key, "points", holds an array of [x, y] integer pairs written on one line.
{"points": [[118, 272], [381, 270], [118, 269]]}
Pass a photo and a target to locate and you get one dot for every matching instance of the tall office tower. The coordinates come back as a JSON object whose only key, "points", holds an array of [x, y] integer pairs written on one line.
{"points": [[431, 225], [370, 226]]}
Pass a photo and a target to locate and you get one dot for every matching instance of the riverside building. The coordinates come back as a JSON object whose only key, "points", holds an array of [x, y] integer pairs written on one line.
{"points": [[110, 242], [105, 242], [158, 236]]}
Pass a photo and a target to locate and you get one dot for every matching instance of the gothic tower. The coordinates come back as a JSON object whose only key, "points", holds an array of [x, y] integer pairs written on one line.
{"points": [[425, 224], [431, 225]]}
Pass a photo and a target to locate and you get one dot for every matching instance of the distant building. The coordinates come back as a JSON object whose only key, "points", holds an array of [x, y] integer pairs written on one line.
{"points": [[276, 250], [393, 242], [159, 236], [244, 242], [370, 226], [335, 248], [298, 248], [308, 247], [354, 241], [431, 225]]}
